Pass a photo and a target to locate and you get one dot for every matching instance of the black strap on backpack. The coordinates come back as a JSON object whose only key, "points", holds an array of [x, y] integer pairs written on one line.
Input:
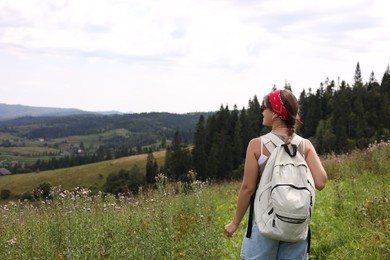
{"points": [[250, 217], [252, 201], [294, 149], [250, 223], [308, 240], [252, 207]]}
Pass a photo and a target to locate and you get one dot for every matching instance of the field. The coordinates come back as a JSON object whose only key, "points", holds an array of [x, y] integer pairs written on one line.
{"points": [[29, 151], [176, 221], [92, 176]]}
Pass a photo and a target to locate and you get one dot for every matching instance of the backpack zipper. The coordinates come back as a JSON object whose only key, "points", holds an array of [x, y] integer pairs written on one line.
{"points": [[289, 220], [292, 186]]}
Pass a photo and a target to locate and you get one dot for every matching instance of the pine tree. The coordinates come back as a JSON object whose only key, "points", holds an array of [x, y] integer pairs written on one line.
{"points": [[199, 152], [151, 168], [213, 162], [311, 112], [224, 156], [385, 84], [372, 79], [341, 113], [325, 138], [245, 130], [237, 151], [287, 85], [357, 123], [254, 117], [384, 102], [177, 160], [357, 79]]}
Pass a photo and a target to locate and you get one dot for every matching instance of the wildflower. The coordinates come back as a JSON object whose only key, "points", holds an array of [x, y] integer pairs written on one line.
{"points": [[386, 221], [12, 241], [368, 203]]}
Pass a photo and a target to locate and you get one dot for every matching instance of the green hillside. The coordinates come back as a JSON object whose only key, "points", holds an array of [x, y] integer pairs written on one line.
{"points": [[350, 218], [92, 176]]}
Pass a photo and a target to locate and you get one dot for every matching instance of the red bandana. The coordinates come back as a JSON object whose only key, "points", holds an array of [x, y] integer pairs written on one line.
{"points": [[278, 106]]}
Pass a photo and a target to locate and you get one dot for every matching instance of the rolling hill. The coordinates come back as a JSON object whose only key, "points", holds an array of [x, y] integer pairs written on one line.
{"points": [[92, 176], [15, 111]]}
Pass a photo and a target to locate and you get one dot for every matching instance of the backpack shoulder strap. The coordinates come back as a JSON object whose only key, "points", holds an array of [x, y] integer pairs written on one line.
{"points": [[274, 139], [270, 145], [265, 141], [297, 140]]}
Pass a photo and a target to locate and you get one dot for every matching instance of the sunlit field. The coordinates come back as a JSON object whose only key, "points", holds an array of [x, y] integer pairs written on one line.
{"points": [[185, 221]]}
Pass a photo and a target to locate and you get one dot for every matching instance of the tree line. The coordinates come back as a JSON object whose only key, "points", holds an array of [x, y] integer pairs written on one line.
{"points": [[341, 117], [337, 117], [145, 127]]}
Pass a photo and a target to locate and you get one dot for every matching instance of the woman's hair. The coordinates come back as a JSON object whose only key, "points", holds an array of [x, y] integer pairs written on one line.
{"points": [[291, 104]]}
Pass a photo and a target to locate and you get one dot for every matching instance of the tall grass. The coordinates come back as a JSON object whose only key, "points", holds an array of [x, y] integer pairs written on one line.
{"points": [[91, 175], [352, 219], [185, 221]]}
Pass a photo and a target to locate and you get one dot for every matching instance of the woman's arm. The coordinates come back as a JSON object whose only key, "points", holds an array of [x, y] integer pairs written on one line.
{"points": [[248, 185], [317, 170]]}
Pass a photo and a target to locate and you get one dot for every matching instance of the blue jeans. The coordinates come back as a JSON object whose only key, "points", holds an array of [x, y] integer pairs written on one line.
{"points": [[259, 247]]}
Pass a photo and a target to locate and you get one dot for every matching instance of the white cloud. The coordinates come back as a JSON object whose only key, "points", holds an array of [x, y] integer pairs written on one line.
{"points": [[141, 55]]}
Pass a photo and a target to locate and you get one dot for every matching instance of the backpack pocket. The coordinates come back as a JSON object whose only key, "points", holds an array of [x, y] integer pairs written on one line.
{"points": [[292, 228], [291, 212], [293, 199], [291, 220]]}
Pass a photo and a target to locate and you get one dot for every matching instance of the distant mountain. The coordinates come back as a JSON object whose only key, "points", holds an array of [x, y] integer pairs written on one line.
{"points": [[15, 111], [143, 128]]}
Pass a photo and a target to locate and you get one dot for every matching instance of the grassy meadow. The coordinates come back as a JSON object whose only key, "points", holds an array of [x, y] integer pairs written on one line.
{"points": [[92, 176], [176, 221], [30, 150]]}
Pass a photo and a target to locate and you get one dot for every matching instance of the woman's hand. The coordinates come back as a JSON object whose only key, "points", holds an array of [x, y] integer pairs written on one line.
{"points": [[230, 229]]}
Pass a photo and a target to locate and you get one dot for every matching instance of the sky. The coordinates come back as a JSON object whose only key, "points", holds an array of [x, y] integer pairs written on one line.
{"points": [[182, 56]]}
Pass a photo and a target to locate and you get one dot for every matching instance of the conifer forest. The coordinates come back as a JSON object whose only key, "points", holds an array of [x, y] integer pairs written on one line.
{"points": [[338, 117]]}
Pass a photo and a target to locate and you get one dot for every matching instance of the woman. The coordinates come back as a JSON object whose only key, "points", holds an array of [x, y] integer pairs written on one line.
{"points": [[280, 111]]}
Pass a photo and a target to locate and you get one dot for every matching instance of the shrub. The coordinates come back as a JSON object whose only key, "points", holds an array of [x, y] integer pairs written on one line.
{"points": [[42, 191], [27, 196], [125, 181], [5, 194]]}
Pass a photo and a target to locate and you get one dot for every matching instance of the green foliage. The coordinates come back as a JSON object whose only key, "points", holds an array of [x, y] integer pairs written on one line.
{"points": [[199, 152], [27, 196], [148, 126], [177, 159], [124, 182], [92, 175], [337, 119], [349, 117], [5, 194], [350, 220], [220, 142], [47, 143], [42, 191], [151, 169]]}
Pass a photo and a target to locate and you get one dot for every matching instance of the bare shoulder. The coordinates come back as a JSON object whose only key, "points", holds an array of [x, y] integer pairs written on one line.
{"points": [[254, 145], [309, 147], [255, 142], [317, 170]]}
